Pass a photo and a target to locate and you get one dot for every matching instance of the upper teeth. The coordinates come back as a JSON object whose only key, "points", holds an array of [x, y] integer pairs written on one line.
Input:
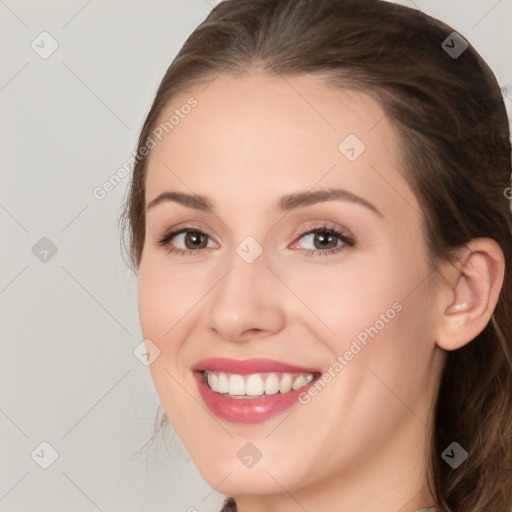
{"points": [[256, 384]]}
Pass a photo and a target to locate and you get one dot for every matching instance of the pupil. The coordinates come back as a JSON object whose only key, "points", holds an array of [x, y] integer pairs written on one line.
{"points": [[325, 240], [193, 240]]}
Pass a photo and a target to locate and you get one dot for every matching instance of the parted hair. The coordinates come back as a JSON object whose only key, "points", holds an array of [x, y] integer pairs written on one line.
{"points": [[455, 147]]}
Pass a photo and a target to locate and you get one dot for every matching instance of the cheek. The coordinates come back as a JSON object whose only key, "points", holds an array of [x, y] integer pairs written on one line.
{"points": [[164, 298], [378, 317], [170, 298], [155, 297], [165, 294], [343, 301], [387, 341]]}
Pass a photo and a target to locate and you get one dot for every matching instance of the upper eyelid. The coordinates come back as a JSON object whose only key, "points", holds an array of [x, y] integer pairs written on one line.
{"points": [[341, 233], [174, 232], [185, 227], [180, 228]]}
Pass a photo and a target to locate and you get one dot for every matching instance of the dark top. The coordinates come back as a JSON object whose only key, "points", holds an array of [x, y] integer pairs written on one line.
{"points": [[229, 505]]}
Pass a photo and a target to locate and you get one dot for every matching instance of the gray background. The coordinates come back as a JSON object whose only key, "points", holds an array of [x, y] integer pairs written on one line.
{"points": [[69, 325]]}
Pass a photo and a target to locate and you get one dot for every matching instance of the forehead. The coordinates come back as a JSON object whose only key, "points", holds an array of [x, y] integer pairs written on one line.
{"points": [[261, 134]]}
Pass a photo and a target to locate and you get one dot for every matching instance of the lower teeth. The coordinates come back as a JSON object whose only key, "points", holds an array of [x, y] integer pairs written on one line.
{"points": [[242, 397]]}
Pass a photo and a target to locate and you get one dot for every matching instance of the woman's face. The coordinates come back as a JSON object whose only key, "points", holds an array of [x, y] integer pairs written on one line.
{"points": [[304, 259]]}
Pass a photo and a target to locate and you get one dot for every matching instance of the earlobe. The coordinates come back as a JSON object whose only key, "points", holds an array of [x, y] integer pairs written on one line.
{"points": [[473, 289]]}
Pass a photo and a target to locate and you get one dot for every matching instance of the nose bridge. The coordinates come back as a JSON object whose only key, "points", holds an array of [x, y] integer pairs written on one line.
{"points": [[244, 301]]}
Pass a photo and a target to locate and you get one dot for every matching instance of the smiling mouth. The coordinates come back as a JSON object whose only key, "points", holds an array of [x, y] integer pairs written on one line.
{"points": [[255, 385]]}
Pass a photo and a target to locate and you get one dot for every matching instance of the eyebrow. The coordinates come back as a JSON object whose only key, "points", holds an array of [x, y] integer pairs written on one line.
{"points": [[285, 203], [189, 200]]}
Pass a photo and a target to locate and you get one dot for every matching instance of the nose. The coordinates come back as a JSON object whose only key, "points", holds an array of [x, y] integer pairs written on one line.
{"points": [[246, 303]]}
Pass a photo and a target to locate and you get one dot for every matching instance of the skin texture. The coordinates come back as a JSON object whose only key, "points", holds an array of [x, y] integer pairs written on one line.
{"points": [[361, 443]]}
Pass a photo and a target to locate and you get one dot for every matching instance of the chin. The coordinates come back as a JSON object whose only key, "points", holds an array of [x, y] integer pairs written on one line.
{"points": [[264, 478], [241, 483]]}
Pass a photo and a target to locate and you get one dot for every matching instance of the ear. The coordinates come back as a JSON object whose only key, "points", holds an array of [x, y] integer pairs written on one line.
{"points": [[469, 293]]}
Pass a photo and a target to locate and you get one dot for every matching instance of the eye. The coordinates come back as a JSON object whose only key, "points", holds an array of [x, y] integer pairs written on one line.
{"points": [[323, 241], [186, 241]]}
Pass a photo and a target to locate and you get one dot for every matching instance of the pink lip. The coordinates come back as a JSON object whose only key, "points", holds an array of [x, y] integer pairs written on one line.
{"points": [[247, 366], [250, 410]]}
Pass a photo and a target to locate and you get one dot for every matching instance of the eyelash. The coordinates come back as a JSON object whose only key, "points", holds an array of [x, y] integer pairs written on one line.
{"points": [[346, 240]]}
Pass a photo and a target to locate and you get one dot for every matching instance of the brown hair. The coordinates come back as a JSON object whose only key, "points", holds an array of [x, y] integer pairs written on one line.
{"points": [[455, 143]]}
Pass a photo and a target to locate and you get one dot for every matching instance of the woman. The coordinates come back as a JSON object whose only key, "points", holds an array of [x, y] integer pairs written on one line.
{"points": [[319, 220]]}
